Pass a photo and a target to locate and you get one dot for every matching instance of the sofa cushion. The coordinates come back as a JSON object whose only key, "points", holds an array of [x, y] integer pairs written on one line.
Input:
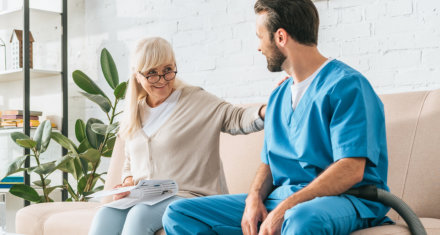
{"points": [[34, 219], [241, 157], [431, 225], [422, 187]]}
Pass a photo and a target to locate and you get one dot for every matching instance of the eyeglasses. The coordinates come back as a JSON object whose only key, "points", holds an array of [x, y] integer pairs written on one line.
{"points": [[154, 78]]}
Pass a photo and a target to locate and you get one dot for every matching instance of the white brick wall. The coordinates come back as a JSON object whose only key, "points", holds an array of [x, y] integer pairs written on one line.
{"points": [[394, 43]]}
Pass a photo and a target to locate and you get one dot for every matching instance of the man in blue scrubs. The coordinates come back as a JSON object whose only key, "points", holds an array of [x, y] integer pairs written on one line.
{"points": [[324, 134]]}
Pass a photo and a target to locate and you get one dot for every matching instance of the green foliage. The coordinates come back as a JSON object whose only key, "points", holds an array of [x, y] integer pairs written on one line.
{"points": [[96, 139]]}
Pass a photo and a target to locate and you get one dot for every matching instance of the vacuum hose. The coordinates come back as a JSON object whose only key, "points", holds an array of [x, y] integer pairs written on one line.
{"points": [[372, 193]]}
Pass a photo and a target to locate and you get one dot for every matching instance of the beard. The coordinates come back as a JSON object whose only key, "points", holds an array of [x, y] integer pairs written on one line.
{"points": [[276, 60]]}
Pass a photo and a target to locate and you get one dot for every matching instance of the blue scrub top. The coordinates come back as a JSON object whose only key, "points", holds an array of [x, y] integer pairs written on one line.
{"points": [[339, 116]]}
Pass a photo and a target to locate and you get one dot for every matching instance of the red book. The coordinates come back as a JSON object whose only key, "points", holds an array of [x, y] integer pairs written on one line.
{"points": [[18, 117]]}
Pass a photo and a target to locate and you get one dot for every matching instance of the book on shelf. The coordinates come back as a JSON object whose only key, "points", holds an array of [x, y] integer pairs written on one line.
{"points": [[9, 181], [149, 192], [32, 123], [20, 112], [18, 117]]}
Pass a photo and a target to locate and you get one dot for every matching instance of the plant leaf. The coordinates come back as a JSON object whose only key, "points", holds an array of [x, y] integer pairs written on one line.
{"points": [[120, 90], [65, 164], [109, 69], [107, 153], [64, 141], [62, 161], [78, 168], [46, 168], [26, 143], [111, 142], [99, 128], [100, 100], [91, 155], [82, 184], [18, 135], [42, 135], [84, 166], [40, 183], [94, 139], [86, 84], [14, 167], [80, 130], [112, 127], [83, 146], [26, 192]]}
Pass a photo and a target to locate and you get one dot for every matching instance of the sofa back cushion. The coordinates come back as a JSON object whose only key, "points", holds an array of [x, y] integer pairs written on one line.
{"points": [[413, 137]]}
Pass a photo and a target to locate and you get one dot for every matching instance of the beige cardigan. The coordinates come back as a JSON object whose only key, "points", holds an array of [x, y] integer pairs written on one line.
{"points": [[186, 146]]}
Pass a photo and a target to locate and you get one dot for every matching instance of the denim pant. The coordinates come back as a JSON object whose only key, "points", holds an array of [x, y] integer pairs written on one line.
{"points": [[222, 215], [139, 219]]}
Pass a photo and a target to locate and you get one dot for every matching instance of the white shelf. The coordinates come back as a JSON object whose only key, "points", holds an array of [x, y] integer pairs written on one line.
{"points": [[32, 10], [17, 75], [12, 129], [20, 129]]}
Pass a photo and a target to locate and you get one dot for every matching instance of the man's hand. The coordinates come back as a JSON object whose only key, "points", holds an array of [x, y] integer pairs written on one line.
{"points": [[254, 212], [273, 223], [127, 182]]}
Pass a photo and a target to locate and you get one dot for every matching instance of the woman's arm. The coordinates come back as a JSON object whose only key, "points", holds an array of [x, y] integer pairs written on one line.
{"points": [[242, 120]]}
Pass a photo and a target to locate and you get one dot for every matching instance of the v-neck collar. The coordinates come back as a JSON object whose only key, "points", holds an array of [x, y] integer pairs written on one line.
{"points": [[173, 113], [293, 117]]}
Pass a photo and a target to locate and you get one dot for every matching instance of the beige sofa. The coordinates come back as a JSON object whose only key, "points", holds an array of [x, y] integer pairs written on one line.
{"points": [[413, 131]]}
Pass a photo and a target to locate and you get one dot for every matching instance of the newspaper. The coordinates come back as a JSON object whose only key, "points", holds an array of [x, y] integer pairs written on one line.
{"points": [[149, 192]]}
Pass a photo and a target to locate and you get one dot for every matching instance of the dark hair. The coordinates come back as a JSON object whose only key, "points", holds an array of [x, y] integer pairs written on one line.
{"points": [[298, 17]]}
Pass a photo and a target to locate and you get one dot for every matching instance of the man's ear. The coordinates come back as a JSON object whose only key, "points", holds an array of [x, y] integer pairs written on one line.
{"points": [[281, 37]]}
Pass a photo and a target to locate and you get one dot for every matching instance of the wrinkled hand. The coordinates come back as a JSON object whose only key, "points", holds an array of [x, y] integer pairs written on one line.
{"points": [[127, 182], [273, 223], [254, 212], [281, 81]]}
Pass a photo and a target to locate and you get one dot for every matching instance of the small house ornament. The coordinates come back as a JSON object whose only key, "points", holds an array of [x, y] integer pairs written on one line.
{"points": [[17, 49]]}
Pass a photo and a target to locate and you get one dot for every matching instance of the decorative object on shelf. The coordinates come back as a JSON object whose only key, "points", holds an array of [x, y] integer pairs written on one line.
{"points": [[17, 49], [3, 44], [96, 140]]}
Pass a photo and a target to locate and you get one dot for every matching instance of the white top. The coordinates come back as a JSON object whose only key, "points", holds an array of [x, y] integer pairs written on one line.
{"points": [[153, 118], [299, 89]]}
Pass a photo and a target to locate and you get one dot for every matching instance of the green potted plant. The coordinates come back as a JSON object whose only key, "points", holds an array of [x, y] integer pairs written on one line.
{"points": [[96, 139]]}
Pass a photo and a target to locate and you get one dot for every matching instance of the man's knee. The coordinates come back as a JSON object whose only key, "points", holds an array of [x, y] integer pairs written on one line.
{"points": [[173, 211], [305, 219]]}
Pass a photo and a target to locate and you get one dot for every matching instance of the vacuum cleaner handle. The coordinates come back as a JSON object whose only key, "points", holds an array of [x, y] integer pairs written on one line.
{"points": [[372, 193]]}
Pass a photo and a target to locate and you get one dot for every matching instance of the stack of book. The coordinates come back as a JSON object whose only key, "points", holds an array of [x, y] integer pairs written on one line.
{"points": [[14, 118], [9, 181]]}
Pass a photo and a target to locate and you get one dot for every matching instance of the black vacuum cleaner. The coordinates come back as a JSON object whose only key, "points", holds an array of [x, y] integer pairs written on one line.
{"points": [[372, 193]]}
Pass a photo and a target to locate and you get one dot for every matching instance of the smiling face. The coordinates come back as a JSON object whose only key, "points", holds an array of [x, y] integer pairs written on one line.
{"points": [[267, 45], [158, 91]]}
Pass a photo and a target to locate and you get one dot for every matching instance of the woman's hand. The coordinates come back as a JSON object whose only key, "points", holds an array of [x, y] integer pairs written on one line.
{"points": [[281, 81], [127, 182]]}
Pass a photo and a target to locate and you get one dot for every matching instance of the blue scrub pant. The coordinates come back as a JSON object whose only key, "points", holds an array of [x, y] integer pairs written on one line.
{"points": [[139, 219], [222, 214]]}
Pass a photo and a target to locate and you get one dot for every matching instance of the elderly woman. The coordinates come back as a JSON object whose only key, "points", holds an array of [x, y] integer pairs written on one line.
{"points": [[171, 131]]}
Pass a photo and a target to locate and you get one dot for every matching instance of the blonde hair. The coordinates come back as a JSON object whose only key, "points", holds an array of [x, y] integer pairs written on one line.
{"points": [[149, 53]]}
